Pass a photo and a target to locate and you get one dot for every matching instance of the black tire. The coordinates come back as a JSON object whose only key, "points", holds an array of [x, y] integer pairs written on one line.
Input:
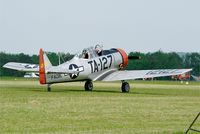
{"points": [[88, 86], [125, 87]]}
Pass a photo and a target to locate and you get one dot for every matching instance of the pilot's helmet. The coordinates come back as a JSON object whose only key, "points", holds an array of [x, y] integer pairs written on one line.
{"points": [[98, 48], [84, 51]]}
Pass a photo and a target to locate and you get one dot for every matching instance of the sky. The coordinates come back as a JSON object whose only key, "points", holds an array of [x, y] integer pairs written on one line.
{"points": [[71, 25]]}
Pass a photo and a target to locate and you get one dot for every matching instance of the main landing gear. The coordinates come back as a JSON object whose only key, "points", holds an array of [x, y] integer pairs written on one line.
{"points": [[125, 87], [88, 85]]}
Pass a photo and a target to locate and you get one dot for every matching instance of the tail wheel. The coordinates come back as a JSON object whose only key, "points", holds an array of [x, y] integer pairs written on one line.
{"points": [[88, 86], [48, 87], [125, 87]]}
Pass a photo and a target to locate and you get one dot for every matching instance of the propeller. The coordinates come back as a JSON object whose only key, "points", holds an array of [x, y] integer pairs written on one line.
{"points": [[134, 57]]}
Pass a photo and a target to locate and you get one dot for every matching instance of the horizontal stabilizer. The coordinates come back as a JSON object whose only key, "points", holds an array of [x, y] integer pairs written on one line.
{"points": [[24, 67]]}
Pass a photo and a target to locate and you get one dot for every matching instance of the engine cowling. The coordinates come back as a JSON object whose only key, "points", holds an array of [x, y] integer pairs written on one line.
{"points": [[124, 58]]}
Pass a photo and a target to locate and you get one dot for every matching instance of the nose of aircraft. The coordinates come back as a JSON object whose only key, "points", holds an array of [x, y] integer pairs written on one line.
{"points": [[124, 57]]}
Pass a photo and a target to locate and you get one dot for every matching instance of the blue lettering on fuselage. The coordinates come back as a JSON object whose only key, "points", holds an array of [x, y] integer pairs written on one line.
{"points": [[102, 63]]}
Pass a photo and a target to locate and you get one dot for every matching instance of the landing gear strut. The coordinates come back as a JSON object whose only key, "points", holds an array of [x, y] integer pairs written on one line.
{"points": [[125, 87], [88, 86], [48, 87]]}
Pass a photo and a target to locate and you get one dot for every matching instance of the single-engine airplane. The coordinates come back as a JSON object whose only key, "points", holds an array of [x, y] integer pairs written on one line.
{"points": [[93, 64]]}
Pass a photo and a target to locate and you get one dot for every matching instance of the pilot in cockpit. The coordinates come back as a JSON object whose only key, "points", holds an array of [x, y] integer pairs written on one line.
{"points": [[98, 50], [85, 54]]}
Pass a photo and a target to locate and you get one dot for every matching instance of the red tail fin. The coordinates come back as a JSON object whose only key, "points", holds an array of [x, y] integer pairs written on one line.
{"points": [[42, 68]]}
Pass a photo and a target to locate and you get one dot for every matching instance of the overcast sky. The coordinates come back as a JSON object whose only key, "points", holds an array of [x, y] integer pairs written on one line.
{"points": [[71, 25]]}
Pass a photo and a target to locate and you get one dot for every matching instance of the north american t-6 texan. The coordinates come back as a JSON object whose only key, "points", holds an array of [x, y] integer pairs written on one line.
{"points": [[92, 64]]}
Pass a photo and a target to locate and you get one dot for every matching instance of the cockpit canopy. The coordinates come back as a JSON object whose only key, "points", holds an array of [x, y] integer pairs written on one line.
{"points": [[91, 52]]}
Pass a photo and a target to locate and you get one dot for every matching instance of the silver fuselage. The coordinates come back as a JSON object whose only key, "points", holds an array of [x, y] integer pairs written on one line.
{"points": [[88, 69]]}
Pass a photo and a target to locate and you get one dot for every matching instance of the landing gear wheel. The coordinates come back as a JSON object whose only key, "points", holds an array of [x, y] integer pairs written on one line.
{"points": [[49, 88], [88, 86], [125, 87]]}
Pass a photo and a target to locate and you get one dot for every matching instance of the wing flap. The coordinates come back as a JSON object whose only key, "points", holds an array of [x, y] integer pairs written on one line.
{"points": [[24, 67], [137, 74]]}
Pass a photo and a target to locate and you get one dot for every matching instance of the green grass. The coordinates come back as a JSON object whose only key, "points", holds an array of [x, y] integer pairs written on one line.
{"points": [[151, 107]]}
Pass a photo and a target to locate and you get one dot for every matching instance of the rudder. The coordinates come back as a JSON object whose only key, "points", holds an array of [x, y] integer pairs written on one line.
{"points": [[44, 63]]}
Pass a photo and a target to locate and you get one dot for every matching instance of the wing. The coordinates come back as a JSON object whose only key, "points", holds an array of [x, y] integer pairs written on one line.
{"points": [[24, 67], [137, 74]]}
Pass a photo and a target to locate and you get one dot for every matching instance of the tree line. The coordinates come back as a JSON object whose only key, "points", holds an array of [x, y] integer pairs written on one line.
{"points": [[155, 60]]}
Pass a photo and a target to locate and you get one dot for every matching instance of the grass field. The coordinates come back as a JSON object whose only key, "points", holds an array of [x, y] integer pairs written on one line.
{"points": [[150, 107]]}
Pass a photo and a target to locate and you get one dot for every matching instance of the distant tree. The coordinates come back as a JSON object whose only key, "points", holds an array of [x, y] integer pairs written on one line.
{"points": [[35, 59], [174, 61], [192, 60]]}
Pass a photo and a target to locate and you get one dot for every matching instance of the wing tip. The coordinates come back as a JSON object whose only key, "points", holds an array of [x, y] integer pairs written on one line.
{"points": [[6, 65]]}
